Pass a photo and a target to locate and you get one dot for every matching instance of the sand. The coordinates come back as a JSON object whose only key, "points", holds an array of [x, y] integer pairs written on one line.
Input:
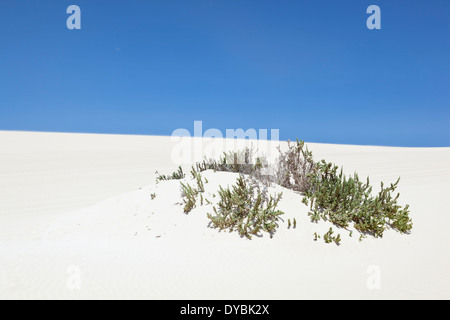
{"points": [[77, 222]]}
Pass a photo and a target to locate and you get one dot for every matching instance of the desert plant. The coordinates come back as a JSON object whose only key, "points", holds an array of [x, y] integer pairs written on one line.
{"points": [[305, 201], [337, 239], [330, 195], [198, 178], [243, 209], [240, 161], [189, 195], [340, 199], [177, 175], [344, 200], [255, 170], [328, 236], [294, 167], [316, 236]]}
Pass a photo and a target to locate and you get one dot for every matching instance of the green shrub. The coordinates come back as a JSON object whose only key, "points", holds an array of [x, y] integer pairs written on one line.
{"points": [[329, 238], [337, 239], [340, 199], [330, 195], [294, 166], [198, 178], [189, 195], [244, 209], [344, 200], [177, 175], [233, 161]]}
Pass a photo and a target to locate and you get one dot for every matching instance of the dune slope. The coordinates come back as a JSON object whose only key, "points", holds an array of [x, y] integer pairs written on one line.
{"points": [[77, 221]]}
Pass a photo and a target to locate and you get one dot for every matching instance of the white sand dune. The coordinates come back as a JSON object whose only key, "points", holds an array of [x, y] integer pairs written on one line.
{"points": [[77, 222]]}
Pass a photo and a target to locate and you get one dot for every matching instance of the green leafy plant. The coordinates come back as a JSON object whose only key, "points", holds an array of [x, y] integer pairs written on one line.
{"points": [[240, 161], [340, 199], [337, 239], [344, 200], [243, 208], [330, 195], [198, 178], [177, 175], [328, 236], [189, 195], [316, 236]]}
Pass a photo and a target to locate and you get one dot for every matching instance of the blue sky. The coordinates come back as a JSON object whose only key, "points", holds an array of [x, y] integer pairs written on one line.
{"points": [[311, 69]]}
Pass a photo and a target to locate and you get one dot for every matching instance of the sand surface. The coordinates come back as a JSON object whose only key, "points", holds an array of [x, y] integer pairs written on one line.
{"points": [[77, 222]]}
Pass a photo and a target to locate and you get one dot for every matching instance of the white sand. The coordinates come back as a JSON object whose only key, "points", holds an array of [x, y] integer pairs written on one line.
{"points": [[77, 222]]}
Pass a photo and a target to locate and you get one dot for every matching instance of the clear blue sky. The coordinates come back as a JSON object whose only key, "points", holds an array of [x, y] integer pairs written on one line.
{"points": [[311, 69]]}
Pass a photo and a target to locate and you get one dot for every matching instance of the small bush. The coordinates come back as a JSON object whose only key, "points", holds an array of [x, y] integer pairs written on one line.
{"points": [[340, 199], [200, 185], [294, 167], [330, 195], [329, 238], [233, 161], [189, 195], [344, 200], [243, 209], [177, 175]]}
